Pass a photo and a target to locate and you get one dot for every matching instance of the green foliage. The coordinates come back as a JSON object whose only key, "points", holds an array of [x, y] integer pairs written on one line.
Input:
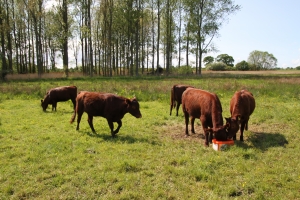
{"points": [[208, 60], [217, 66], [44, 157], [298, 67], [225, 58], [242, 66], [262, 60], [185, 70]]}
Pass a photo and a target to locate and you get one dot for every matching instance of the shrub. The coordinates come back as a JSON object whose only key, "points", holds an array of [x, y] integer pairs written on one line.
{"points": [[217, 66], [185, 70], [242, 66], [298, 68]]}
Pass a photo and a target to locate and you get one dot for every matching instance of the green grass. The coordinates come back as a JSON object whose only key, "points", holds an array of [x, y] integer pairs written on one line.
{"points": [[44, 157]]}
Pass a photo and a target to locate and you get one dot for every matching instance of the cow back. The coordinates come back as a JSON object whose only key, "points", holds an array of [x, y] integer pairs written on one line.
{"points": [[203, 103], [242, 104], [107, 105]]}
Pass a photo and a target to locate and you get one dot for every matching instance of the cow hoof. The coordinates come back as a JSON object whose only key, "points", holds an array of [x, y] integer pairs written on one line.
{"points": [[187, 135]]}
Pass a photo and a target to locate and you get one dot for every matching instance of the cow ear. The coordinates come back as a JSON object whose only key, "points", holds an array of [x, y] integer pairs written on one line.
{"points": [[133, 99], [41, 100], [128, 101]]}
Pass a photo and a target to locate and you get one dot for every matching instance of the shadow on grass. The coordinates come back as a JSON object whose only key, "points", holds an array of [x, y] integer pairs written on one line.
{"points": [[264, 141], [119, 138]]}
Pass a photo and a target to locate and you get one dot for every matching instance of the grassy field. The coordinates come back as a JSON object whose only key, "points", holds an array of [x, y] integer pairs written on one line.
{"points": [[44, 157]]}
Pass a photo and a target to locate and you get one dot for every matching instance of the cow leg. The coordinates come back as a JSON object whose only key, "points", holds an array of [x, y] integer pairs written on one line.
{"points": [[118, 128], [90, 121], [111, 126], [79, 115], [242, 130], [192, 125], [186, 117], [234, 137], [171, 107], [206, 132], [177, 108]]}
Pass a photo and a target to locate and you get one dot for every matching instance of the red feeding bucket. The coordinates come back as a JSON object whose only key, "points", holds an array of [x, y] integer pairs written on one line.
{"points": [[221, 145]]}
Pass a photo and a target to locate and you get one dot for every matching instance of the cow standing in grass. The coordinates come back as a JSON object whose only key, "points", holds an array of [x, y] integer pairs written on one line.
{"points": [[242, 105], [109, 106], [176, 95], [202, 104], [59, 94]]}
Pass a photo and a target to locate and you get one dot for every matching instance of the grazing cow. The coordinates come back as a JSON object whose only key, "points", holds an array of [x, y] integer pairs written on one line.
{"points": [[109, 106], [201, 104], [59, 94], [176, 94], [242, 106]]}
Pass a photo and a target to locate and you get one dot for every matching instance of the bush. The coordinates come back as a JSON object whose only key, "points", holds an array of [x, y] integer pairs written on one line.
{"points": [[185, 70], [217, 66], [298, 68], [242, 66]]}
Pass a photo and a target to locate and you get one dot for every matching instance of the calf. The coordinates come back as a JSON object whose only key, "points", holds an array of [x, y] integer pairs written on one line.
{"points": [[176, 94], [242, 106], [109, 106], [59, 94], [201, 104]]}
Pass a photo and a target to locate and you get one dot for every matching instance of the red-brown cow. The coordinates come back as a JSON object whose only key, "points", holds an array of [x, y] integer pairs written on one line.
{"points": [[109, 106], [242, 106], [176, 95], [202, 104], [59, 94]]}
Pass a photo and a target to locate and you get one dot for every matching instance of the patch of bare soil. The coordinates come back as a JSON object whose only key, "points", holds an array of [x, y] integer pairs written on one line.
{"points": [[177, 132]]}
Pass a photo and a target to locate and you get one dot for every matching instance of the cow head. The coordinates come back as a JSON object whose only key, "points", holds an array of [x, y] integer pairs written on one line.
{"points": [[133, 107], [45, 102], [220, 133], [233, 125]]}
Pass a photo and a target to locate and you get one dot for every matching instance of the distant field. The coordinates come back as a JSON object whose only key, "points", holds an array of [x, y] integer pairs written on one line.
{"points": [[204, 72], [44, 157]]}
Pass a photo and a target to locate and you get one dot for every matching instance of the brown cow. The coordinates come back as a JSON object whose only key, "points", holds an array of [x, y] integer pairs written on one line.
{"points": [[109, 106], [202, 104], [59, 94], [242, 106], [176, 94]]}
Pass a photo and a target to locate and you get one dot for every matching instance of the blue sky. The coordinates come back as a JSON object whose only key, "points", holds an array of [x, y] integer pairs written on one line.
{"points": [[264, 25]]}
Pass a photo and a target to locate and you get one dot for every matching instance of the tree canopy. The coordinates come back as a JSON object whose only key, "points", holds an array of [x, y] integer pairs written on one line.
{"points": [[262, 60], [225, 58], [121, 37]]}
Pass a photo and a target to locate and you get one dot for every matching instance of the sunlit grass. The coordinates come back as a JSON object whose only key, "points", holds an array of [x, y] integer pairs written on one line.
{"points": [[44, 157]]}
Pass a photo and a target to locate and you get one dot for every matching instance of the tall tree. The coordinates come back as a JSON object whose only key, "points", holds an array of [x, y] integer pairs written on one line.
{"points": [[262, 60], [225, 58], [158, 32], [65, 25], [206, 18], [2, 35]]}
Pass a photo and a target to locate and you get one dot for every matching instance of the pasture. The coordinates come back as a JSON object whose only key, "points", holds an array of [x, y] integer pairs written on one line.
{"points": [[44, 157]]}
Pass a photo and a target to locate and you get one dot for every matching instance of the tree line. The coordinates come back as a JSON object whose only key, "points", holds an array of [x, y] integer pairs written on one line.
{"points": [[257, 60], [111, 37]]}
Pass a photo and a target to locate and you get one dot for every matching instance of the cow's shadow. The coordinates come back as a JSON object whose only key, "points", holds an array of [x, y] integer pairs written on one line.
{"points": [[121, 138], [263, 141]]}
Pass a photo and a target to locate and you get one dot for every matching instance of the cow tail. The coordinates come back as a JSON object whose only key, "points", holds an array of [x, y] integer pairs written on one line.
{"points": [[74, 115]]}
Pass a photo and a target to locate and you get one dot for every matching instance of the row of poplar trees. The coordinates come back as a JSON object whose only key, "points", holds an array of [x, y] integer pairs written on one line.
{"points": [[111, 37]]}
